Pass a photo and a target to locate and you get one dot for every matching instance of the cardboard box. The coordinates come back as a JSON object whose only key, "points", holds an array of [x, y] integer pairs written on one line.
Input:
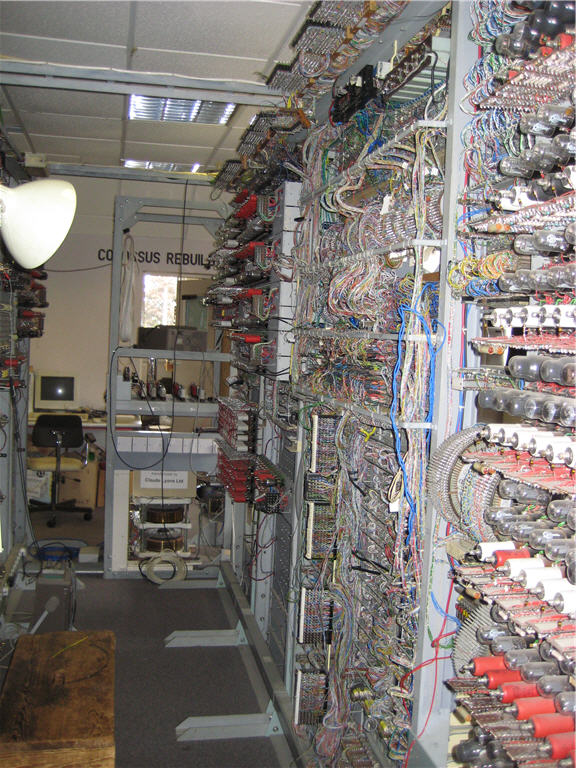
{"points": [[171, 483], [38, 485], [81, 485], [101, 494]]}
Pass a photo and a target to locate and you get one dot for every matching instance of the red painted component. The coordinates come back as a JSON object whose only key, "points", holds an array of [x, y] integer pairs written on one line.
{"points": [[248, 209], [484, 664], [513, 691], [562, 745], [564, 40], [544, 725], [497, 677], [241, 196], [502, 555], [535, 705]]}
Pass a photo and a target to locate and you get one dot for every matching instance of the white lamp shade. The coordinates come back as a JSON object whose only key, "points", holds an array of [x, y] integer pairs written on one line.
{"points": [[35, 218]]}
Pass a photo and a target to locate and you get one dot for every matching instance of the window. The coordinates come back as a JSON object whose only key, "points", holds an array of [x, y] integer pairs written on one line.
{"points": [[159, 296], [159, 300]]}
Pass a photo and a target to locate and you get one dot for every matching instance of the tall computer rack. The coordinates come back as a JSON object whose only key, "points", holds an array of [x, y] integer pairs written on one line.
{"points": [[170, 455], [23, 296], [415, 304]]}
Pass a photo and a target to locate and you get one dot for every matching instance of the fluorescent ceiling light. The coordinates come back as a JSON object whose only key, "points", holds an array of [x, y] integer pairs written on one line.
{"points": [[227, 113], [143, 164], [153, 165], [179, 110]]}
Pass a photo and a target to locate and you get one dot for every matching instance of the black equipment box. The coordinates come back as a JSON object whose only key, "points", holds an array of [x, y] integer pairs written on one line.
{"points": [[172, 338]]}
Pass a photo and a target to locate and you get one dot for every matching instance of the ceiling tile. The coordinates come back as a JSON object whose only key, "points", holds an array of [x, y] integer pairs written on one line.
{"points": [[66, 126], [176, 133], [91, 151], [105, 22], [213, 66], [61, 51], [244, 114], [245, 29], [162, 153], [67, 102]]}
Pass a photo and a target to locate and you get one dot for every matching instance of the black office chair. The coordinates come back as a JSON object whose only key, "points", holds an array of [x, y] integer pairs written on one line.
{"points": [[59, 431]]}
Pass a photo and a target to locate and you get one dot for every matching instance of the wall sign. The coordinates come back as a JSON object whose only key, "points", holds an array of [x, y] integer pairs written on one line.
{"points": [[173, 258]]}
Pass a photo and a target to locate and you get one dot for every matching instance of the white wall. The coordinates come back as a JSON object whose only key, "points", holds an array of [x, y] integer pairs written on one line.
{"points": [[75, 339]]}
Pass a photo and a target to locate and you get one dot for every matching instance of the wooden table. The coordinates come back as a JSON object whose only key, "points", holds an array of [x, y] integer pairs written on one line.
{"points": [[57, 703]]}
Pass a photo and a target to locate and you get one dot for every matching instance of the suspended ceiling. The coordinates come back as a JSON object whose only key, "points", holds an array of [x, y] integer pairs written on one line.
{"points": [[67, 70]]}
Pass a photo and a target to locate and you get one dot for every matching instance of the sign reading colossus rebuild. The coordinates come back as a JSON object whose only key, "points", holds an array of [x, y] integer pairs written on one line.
{"points": [[158, 257]]}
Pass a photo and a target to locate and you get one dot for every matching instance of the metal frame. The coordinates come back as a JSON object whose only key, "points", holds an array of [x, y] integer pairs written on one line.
{"points": [[129, 174], [430, 748], [233, 534], [275, 718], [261, 582], [275, 688], [15, 524], [297, 507], [101, 80], [128, 212], [431, 743]]}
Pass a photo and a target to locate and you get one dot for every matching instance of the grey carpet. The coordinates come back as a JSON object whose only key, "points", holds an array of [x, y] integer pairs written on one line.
{"points": [[157, 688]]}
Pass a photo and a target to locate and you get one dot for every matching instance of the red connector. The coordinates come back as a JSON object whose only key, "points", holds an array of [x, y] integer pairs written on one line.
{"points": [[535, 705], [483, 664], [500, 556], [513, 691], [562, 745], [495, 678], [545, 725]]}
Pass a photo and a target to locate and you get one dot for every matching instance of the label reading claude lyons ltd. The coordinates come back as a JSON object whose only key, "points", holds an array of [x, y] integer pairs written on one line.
{"points": [[169, 479]]}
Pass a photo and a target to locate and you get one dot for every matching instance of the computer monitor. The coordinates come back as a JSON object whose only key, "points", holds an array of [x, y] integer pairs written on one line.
{"points": [[54, 392]]}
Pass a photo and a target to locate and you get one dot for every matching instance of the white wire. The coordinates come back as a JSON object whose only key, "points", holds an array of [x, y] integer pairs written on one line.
{"points": [[127, 289], [170, 558]]}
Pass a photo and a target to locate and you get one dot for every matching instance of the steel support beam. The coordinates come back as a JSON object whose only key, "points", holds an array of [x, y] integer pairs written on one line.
{"points": [[430, 741], [129, 212], [217, 206], [126, 174], [35, 74], [211, 225]]}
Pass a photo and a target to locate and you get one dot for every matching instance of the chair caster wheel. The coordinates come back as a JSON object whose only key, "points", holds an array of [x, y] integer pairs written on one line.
{"points": [[88, 516], [51, 523]]}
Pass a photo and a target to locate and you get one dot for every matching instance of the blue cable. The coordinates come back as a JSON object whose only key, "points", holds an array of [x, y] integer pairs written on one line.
{"points": [[442, 612], [403, 309]]}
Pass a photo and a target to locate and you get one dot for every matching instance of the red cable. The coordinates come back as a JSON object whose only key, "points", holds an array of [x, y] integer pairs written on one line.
{"points": [[435, 659]]}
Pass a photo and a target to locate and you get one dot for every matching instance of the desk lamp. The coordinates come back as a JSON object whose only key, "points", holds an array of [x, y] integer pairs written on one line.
{"points": [[35, 218]]}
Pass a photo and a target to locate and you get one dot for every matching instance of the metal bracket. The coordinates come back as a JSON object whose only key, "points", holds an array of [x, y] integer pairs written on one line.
{"points": [[129, 212], [230, 726], [194, 583], [206, 637]]}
